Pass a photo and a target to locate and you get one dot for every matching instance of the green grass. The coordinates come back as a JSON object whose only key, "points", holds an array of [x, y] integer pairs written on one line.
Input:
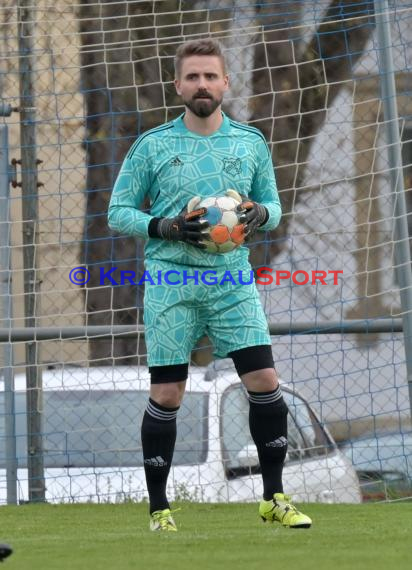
{"points": [[99, 537]]}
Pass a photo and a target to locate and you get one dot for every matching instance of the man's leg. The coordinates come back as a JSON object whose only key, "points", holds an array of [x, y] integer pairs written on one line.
{"points": [[267, 413], [268, 427], [172, 326], [159, 433]]}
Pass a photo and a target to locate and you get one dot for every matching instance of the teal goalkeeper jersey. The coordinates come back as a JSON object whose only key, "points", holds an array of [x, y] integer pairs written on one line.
{"points": [[170, 165]]}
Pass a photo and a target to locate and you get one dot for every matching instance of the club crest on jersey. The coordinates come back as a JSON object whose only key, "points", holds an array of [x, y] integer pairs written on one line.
{"points": [[232, 166]]}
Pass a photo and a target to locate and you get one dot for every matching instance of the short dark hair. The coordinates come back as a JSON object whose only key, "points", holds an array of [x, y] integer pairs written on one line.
{"points": [[205, 46]]}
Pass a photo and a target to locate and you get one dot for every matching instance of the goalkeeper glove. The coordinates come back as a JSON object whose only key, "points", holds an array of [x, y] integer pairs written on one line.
{"points": [[252, 214], [186, 226]]}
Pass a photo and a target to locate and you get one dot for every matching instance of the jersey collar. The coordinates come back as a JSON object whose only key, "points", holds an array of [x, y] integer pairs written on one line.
{"points": [[181, 127]]}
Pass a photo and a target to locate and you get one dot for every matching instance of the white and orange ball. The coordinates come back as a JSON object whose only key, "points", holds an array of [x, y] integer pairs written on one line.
{"points": [[225, 233]]}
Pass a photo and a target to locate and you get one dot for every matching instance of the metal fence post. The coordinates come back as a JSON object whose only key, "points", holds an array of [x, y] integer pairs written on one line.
{"points": [[5, 315], [401, 235], [26, 32]]}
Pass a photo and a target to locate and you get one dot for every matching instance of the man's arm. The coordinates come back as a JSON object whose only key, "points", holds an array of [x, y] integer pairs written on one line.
{"points": [[131, 186], [264, 189]]}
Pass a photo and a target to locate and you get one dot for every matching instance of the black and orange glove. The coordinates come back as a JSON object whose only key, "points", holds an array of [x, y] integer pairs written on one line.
{"points": [[186, 227], [252, 214]]}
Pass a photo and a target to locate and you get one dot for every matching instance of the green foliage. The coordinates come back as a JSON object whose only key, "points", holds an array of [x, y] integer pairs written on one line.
{"points": [[64, 537]]}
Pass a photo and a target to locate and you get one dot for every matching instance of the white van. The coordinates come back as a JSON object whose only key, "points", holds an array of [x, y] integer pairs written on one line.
{"points": [[92, 448]]}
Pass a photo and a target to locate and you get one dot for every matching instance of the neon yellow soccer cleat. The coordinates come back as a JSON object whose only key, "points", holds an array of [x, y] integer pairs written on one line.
{"points": [[162, 520], [281, 510]]}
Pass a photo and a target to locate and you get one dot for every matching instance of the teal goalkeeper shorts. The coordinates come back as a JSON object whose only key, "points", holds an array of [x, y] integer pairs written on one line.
{"points": [[177, 316]]}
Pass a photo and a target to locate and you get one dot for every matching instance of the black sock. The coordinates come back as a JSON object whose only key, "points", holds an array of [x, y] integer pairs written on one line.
{"points": [[268, 427], [158, 442]]}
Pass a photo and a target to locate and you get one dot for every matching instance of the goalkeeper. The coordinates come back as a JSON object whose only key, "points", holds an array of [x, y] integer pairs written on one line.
{"points": [[197, 155]]}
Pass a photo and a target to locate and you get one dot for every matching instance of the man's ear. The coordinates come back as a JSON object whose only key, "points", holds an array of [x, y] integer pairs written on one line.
{"points": [[177, 86]]}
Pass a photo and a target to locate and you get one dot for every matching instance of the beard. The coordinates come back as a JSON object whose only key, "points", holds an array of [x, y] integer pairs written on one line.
{"points": [[203, 106]]}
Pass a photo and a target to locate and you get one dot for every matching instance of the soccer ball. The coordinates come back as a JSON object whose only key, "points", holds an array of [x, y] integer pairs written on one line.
{"points": [[225, 233]]}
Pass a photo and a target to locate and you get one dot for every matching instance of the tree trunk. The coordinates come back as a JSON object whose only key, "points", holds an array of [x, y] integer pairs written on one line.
{"points": [[124, 85], [295, 89]]}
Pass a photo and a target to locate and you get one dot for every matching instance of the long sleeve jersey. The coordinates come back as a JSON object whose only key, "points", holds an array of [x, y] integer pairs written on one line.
{"points": [[171, 164]]}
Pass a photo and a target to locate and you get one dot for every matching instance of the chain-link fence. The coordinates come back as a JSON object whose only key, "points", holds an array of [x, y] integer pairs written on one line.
{"points": [[309, 76]]}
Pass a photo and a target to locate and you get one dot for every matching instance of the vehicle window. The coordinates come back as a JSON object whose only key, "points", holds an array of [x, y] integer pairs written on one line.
{"points": [[236, 438], [316, 442], [296, 443], [235, 432], [382, 453], [101, 428]]}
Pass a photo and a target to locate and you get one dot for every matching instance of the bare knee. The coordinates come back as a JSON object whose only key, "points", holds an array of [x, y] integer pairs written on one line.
{"points": [[168, 394], [264, 380]]}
